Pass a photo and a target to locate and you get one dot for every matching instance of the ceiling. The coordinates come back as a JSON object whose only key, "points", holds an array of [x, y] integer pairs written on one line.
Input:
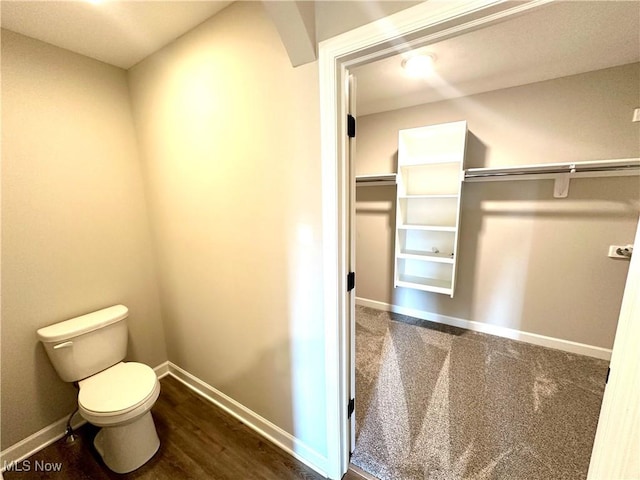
{"points": [[120, 33], [554, 41]]}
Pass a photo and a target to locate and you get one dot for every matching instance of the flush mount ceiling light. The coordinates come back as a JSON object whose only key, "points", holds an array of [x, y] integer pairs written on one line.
{"points": [[421, 65]]}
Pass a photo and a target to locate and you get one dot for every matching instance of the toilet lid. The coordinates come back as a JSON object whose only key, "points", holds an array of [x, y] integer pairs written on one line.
{"points": [[121, 387]]}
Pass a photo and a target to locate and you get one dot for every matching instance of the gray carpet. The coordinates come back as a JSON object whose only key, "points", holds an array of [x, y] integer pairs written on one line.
{"points": [[438, 402]]}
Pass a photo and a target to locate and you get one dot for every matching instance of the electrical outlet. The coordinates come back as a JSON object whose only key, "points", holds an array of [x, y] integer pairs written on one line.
{"points": [[614, 249]]}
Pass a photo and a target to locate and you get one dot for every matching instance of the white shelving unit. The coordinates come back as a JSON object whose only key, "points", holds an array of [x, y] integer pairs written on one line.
{"points": [[429, 180]]}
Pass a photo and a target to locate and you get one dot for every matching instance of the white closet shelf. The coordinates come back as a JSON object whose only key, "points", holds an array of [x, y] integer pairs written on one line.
{"points": [[375, 180], [427, 196], [427, 256], [421, 161], [432, 228], [427, 284], [561, 173]]}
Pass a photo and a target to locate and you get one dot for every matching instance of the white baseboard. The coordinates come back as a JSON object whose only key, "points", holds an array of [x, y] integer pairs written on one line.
{"points": [[162, 370], [287, 442], [51, 433], [36, 442], [498, 331]]}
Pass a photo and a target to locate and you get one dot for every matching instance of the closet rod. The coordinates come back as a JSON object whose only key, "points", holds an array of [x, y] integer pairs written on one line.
{"points": [[375, 180], [560, 173], [628, 166]]}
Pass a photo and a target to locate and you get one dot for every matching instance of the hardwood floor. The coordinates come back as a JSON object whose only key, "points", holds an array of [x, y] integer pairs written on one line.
{"points": [[197, 441]]}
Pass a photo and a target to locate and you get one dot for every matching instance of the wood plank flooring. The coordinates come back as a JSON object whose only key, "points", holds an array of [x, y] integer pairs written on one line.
{"points": [[197, 441]]}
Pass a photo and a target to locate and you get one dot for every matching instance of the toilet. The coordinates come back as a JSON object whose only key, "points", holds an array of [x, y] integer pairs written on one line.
{"points": [[113, 394]]}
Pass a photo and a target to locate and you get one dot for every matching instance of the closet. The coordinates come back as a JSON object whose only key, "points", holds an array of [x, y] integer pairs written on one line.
{"points": [[494, 212]]}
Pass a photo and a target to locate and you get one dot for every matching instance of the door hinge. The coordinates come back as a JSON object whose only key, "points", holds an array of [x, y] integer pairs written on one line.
{"points": [[351, 281], [607, 379], [351, 126], [351, 407]]}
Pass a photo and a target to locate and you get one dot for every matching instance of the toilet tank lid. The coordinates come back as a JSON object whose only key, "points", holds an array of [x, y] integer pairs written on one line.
{"points": [[82, 324]]}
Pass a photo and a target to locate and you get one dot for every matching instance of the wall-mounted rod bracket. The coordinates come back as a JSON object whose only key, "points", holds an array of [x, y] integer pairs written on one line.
{"points": [[561, 185]]}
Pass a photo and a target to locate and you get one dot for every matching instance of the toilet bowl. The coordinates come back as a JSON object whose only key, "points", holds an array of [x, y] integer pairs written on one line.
{"points": [[118, 395], [114, 395], [119, 400]]}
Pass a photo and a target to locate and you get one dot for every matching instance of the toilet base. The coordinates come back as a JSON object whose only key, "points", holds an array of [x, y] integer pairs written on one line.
{"points": [[124, 448]]}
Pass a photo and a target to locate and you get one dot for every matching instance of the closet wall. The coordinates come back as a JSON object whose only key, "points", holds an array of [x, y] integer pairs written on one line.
{"points": [[527, 261]]}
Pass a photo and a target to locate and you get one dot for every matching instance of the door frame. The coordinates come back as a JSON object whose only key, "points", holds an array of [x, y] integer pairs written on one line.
{"points": [[416, 26]]}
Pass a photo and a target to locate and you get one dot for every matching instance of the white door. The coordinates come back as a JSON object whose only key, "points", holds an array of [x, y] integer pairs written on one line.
{"points": [[617, 443]]}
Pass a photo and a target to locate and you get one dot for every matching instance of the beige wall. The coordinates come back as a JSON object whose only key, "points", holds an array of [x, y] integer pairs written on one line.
{"points": [[230, 138], [336, 17], [75, 235], [526, 260]]}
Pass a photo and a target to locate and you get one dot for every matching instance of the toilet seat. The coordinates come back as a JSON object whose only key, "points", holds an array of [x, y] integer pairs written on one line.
{"points": [[118, 394]]}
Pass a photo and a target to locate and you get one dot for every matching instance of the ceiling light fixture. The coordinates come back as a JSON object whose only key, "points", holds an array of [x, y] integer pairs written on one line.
{"points": [[421, 65]]}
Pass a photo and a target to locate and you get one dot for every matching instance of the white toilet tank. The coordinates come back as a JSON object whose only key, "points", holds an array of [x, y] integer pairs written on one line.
{"points": [[85, 345]]}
